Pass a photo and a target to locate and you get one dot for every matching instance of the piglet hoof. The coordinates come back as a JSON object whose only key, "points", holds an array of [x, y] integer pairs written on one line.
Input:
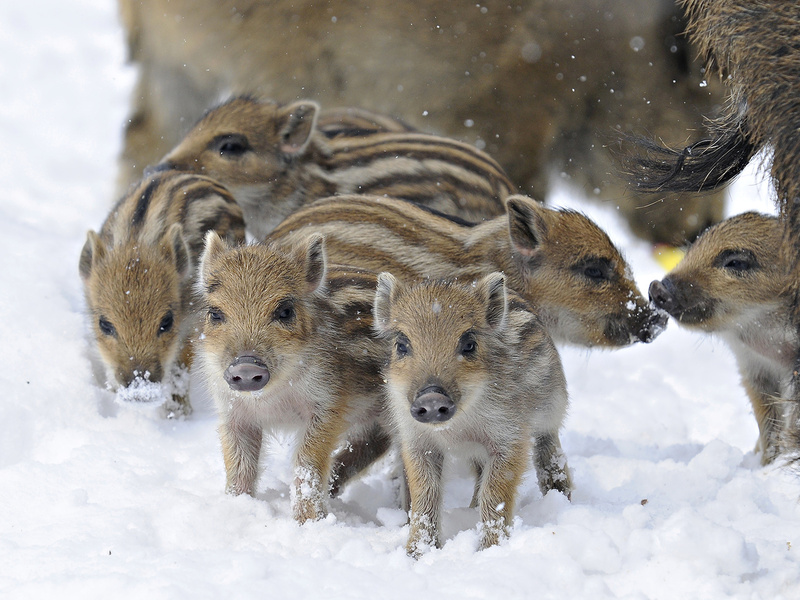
{"points": [[563, 486], [417, 546], [177, 407], [492, 533], [307, 510]]}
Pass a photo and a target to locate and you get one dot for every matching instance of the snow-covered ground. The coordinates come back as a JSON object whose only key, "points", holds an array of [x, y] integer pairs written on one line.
{"points": [[98, 501]]}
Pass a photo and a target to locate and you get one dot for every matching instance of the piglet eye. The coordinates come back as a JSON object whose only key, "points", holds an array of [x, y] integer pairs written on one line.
{"points": [[166, 323], [231, 145], [285, 312], [593, 273], [737, 264], [106, 327], [401, 346], [215, 315], [467, 346], [596, 270], [737, 261]]}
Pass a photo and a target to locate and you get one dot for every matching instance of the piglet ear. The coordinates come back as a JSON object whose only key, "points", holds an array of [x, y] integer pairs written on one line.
{"points": [[214, 248], [179, 251], [93, 250], [493, 289], [298, 123], [316, 264], [382, 308], [527, 223]]}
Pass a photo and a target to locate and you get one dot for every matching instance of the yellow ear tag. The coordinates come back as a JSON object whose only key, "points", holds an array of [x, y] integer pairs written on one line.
{"points": [[667, 256]]}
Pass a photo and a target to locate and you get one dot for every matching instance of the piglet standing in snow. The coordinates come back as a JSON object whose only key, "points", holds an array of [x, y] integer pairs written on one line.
{"points": [[138, 275], [733, 283], [288, 345], [473, 373]]}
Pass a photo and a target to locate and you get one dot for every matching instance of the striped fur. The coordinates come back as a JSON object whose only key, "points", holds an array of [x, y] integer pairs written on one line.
{"points": [[353, 121], [308, 328], [153, 205], [559, 261], [473, 374], [274, 159], [138, 275]]}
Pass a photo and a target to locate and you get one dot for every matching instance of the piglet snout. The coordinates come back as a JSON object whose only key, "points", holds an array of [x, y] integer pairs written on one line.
{"points": [[662, 295], [246, 374], [432, 405], [654, 326]]}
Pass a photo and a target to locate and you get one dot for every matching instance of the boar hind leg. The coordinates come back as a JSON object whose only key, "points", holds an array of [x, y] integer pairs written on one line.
{"points": [[551, 464], [360, 453], [241, 447], [501, 476], [313, 466], [423, 468], [768, 410]]}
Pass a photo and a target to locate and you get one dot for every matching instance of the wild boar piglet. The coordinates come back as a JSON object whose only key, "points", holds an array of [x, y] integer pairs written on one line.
{"points": [[473, 373], [138, 275], [732, 283], [287, 346]]}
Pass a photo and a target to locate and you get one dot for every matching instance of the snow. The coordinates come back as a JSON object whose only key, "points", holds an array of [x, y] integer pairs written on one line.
{"points": [[101, 501]]}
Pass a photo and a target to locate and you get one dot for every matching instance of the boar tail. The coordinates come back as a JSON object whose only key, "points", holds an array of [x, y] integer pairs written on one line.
{"points": [[702, 166]]}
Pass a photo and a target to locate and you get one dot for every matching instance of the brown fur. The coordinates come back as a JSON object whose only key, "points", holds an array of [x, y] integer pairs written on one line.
{"points": [[496, 382], [539, 85], [732, 283], [310, 329], [138, 274], [558, 260], [275, 159]]}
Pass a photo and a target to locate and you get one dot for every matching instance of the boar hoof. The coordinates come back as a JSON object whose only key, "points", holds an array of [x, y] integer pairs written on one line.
{"points": [[246, 374], [432, 405]]}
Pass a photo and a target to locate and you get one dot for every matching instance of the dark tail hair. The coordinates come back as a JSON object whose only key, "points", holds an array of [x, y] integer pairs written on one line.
{"points": [[704, 165]]}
